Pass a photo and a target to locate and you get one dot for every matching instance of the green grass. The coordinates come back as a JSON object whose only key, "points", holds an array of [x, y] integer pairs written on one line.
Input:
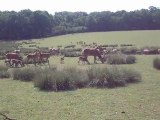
{"points": [[138, 38], [140, 101], [136, 101]]}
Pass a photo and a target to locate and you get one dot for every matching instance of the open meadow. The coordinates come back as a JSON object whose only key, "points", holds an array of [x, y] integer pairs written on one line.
{"points": [[139, 101]]}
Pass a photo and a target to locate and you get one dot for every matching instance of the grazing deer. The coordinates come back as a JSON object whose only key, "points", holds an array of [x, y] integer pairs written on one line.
{"points": [[83, 59]]}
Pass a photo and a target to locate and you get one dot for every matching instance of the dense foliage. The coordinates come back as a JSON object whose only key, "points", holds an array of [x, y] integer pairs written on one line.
{"points": [[156, 63], [28, 24]]}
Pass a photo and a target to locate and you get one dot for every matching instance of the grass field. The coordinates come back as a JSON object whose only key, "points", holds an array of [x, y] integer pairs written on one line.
{"points": [[138, 38], [140, 101]]}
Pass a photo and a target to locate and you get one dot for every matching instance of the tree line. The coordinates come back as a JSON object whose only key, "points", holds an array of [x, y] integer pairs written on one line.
{"points": [[27, 24]]}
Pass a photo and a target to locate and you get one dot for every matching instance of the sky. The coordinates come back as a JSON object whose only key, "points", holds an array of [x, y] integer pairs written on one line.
{"points": [[88, 6]]}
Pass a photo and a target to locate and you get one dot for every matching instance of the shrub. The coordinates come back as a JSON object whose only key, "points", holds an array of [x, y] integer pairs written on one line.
{"points": [[121, 59], [65, 79], [4, 72], [130, 50], [131, 76], [43, 80], [156, 63], [95, 72], [78, 78], [115, 78], [25, 74], [130, 59], [72, 54], [116, 59], [52, 80], [112, 77], [73, 78], [3, 68], [106, 77]]}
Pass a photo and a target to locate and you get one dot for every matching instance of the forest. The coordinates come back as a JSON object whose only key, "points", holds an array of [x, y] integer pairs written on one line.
{"points": [[27, 24]]}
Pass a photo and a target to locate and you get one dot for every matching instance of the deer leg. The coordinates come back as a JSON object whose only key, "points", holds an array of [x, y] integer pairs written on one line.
{"points": [[95, 60], [87, 61]]}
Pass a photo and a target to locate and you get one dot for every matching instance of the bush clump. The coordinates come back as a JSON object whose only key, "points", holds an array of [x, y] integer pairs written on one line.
{"points": [[4, 72], [131, 76], [130, 59], [77, 77], [24, 74], [60, 80], [112, 77], [121, 59], [116, 59], [104, 77], [156, 63], [70, 78]]}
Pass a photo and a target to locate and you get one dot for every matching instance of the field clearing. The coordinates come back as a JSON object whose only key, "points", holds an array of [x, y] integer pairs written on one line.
{"points": [[137, 38], [140, 101], [136, 101]]}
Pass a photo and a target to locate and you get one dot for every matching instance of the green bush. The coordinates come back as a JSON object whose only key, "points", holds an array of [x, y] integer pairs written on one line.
{"points": [[78, 78], [24, 74], [4, 72], [43, 80], [72, 54], [156, 63], [131, 76], [65, 79], [121, 59], [116, 59], [3, 68], [104, 77], [112, 77], [74, 78], [130, 59], [52, 80]]}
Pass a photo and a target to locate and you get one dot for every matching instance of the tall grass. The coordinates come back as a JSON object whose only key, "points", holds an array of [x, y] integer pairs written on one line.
{"points": [[4, 72], [24, 74], [121, 59], [73, 78]]}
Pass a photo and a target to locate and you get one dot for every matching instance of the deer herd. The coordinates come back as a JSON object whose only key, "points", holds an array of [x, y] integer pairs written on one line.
{"points": [[13, 59]]}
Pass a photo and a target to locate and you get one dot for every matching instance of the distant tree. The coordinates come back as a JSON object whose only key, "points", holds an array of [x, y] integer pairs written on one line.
{"points": [[27, 24]]}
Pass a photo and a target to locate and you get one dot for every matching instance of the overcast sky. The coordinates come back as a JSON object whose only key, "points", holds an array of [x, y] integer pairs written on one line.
{"points": [[88, 6]]}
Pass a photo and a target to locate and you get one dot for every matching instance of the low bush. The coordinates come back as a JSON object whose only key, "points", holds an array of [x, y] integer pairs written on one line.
{"points": [[116, 59], [72, 54], [4, 72], [3, 68], [78, 78], [74, 78], [24, 74], [156, 63], [43, 80], [129, 50], [130, 59], [121, 59], [112, 77], [131, 76], [60, 80]]}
